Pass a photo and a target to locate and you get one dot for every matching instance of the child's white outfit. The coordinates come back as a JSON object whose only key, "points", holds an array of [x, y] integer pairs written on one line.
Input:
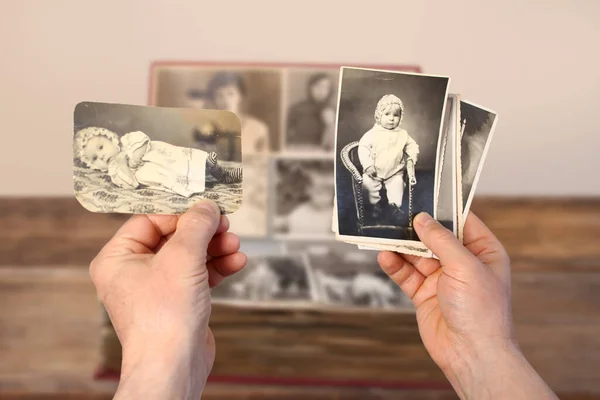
{"points": [[388, 151], [163, 166]]}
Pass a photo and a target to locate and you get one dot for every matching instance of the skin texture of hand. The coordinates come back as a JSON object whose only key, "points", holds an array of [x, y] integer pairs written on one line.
{"points": [[464, 311], [154, 278]]}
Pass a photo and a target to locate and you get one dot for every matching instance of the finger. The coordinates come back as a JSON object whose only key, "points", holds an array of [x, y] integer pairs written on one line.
{"points": [[455, 259], [140, 234], [221, 267], [223, 244], [426, 266], [195, 229], [223, 227], [428, 289], [407, 277], [480, 241], [223, 224]]}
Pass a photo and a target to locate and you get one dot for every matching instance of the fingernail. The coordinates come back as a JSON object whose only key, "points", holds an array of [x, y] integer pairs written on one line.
{"points": [[422, 219], [207, 205]]}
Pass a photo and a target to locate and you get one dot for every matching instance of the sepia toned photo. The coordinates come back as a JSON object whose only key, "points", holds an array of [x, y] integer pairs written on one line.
{"points": [[347, 277], [477, 126], [302, 192], [389, 131], [310, 100], [271, 279], [251, 219], [144, 160], [254, 94], [448, 190]]}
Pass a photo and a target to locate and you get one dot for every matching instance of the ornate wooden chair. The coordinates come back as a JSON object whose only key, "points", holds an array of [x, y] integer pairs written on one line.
{"points": [[349, 156]]}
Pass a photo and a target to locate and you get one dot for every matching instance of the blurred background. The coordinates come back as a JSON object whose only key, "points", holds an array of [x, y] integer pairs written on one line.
{"points": [[532, 62]]}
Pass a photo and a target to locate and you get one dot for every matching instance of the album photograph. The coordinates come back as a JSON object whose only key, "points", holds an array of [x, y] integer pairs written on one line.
{"points": [[348, 278], [302, 189], [310, 101], [388, 141], [254, 94], [144, 160], [269, 280]]}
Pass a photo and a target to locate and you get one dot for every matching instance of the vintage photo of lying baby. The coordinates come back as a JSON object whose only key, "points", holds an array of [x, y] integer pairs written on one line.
{"points": [[388, 140], [145, 160]]}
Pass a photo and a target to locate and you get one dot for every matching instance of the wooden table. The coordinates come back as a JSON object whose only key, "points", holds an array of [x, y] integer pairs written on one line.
{"points": [[50, 321]]}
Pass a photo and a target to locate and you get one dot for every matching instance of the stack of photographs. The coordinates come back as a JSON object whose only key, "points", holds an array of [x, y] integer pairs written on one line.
{"points": [[404, 145]]}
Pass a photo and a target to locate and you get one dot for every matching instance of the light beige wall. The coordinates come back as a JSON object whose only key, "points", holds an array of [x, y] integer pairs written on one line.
{"points": [[536, 62]]}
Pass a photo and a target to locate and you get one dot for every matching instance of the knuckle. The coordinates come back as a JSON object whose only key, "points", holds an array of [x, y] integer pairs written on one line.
{"points": [[93, 270]]}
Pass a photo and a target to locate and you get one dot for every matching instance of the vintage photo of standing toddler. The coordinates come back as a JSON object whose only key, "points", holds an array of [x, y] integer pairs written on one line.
{"points": [[389, 131]]}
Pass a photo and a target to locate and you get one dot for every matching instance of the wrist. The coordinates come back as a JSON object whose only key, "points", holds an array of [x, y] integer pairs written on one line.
{"points": [[173, 367], [499, 371]]}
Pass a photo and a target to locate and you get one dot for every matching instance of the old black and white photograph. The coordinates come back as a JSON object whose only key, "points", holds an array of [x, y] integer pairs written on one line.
{"points": [[389, 127], [350, 278], [269, 279], [448, 192], [144, 160], [251, 219], [310, 99], [252, 93], [477, 126], [302, 190]]}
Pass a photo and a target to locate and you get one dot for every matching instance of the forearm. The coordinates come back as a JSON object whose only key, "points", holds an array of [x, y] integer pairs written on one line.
{"points": [[169, 372], [502, 374]]}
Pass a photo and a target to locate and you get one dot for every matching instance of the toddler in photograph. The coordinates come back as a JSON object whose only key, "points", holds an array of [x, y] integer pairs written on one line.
{"points": [[386, 152], [135, 161], [313, 217]]}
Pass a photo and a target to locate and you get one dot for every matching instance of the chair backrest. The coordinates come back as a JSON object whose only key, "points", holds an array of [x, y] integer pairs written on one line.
{"points": [[349, 155], [353, 155]]}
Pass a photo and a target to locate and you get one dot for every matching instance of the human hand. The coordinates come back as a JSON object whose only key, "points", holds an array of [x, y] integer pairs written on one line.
{"points": [[154, 278], [464, 312]]}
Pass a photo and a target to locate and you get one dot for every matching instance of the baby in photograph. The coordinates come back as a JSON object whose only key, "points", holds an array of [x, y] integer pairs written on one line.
{"points": [[314, 216], [386, 152], [135, 161]]}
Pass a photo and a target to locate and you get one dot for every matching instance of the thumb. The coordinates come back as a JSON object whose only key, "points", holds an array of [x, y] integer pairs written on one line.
{"points": [[454, 257], [194, 231]]}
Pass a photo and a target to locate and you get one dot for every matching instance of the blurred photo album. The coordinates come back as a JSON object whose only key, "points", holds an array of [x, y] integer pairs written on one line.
{"points": [[404, 145]]}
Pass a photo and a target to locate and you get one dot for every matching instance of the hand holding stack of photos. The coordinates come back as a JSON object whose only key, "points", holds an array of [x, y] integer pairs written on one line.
{"points": [[308, 143], [404, 145]]}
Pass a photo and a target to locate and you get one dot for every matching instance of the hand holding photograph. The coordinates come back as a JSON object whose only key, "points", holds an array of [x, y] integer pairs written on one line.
{"points": [[146, 160]]}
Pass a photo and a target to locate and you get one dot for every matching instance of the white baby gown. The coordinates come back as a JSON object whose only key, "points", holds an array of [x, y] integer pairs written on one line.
{"points": [[164, 167]]}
